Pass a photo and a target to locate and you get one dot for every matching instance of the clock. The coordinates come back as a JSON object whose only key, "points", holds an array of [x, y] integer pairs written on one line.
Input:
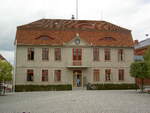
{"points": [[77, 41]]}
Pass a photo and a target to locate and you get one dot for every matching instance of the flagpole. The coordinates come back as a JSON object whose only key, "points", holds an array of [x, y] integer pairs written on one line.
{"points": [[77, 9]]}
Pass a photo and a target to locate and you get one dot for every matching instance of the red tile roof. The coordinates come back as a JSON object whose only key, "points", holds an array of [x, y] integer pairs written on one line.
{"points": [[62, 31], [140, 51]]}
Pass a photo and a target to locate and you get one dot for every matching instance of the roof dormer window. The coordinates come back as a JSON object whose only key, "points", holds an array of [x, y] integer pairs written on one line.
{"points": [[108, 39], [45, 37]]}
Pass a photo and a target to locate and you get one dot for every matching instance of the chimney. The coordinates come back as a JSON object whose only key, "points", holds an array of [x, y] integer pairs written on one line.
{"points": [[72, 17], [136, 42]]}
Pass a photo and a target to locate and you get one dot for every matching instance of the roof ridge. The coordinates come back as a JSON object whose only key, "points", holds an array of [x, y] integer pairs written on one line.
{"points": [[73, 24]]}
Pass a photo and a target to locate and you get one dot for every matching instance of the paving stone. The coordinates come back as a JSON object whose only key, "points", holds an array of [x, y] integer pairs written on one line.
{"points": [[77, 101]]}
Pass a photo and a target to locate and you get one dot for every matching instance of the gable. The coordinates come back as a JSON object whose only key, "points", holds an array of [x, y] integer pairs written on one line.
{"points": [[77, 41]]}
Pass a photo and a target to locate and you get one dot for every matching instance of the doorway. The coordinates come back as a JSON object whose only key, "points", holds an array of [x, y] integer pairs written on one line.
{"points": [[77, 78]]}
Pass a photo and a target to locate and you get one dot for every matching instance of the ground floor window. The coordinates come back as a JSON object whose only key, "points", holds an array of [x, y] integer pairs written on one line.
{"points": [[57, 75], [30, 75], [121, 74], [96, 75], [44, 75], [107, 75]]}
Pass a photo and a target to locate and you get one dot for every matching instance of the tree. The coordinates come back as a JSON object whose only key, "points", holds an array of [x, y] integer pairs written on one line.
{"points": [[147, 55], [147, 58], [140, 70], [5, 72]]}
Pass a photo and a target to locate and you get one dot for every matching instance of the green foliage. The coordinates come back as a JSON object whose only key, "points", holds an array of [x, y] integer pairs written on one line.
{"points": [[112, 86], [20, 88], [139, 70], [147, 55], [5, 71], [147, 59]]}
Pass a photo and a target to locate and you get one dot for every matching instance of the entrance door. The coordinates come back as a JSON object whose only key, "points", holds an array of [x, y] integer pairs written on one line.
{"points": [[77, 78]]}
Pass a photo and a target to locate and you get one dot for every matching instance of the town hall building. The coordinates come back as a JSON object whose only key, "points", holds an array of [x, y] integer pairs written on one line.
{"points": [[75, 52]]}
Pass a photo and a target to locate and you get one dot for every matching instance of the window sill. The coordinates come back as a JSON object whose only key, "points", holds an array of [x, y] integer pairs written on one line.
{"points": [[45, 60], [57, 81], [29, 81], [57, 60], [108, 81], [96, 81], [107, 60], [121, 61], [30, 60], [96, 60]]}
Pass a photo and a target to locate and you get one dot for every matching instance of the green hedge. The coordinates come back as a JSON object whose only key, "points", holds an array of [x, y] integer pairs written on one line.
{"points": [[20, 88], [111, 86]]}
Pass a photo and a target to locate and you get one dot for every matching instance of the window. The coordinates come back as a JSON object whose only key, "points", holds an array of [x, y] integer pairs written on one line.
{"points": [[30, 75], [30, 53], [107, 54], [120, 55], [57, 53], [57, 76], [44, 38], [96, 54], [121, 74], [44, 75], [107, 74], [108, 39], [77, 54], [96, 75], [45, 53]]}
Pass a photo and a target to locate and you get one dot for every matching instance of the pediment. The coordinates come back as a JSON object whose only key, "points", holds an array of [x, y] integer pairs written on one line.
{"points": [[77, 41]]}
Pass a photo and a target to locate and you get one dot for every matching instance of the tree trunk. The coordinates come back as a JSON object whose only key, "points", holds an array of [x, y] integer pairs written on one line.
{"points": [[142, 85], [4, 88], [136, 83]]}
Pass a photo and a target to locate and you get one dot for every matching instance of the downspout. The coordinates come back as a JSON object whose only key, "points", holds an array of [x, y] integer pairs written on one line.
{"points": [[14, 75]]}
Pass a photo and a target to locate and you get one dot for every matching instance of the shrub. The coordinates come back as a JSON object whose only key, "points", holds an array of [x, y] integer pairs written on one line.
{"points": [[20, 88], [112, 86]]}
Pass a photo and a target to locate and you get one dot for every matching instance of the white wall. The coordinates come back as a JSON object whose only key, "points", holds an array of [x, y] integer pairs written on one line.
{"points": [[22, 64]]}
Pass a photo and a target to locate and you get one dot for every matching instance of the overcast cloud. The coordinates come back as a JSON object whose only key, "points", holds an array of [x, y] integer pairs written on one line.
{"points": [[131, 14]]}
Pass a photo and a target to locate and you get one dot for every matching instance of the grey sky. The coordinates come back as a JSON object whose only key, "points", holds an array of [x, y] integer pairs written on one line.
{"points": [[131, 14]]}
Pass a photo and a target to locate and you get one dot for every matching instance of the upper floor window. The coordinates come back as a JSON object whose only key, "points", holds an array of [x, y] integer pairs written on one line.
{"points": [[30, 53], [120, 55], [57, 53], [44, 75], [45, 53], [121, 74], [96, 54], [96, 75], [30, 75], [107, 54], [57, 76], [107, 74], [77, 54]]}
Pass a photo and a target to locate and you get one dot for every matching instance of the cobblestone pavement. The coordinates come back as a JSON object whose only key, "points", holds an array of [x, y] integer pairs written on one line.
{"points": [[79, 101]]}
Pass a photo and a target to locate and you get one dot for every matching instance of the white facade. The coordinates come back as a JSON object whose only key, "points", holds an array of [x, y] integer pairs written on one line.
{"points": [[66, 66]]}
